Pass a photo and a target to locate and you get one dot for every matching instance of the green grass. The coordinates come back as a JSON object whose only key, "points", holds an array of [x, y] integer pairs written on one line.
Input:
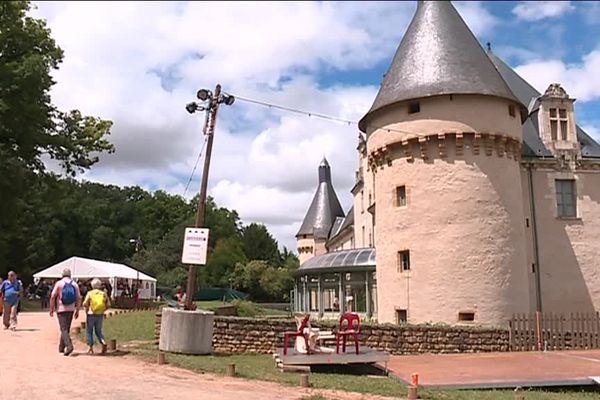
{"points": [[137, 325], [140, 326], [267, 312]]}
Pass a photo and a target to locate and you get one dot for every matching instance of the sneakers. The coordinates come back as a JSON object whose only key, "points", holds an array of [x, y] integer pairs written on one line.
{"points": [[90, 350], [68, 351]]}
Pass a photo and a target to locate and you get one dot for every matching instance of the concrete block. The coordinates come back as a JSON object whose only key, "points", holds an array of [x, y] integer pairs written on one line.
{"points": [[186, 332]]}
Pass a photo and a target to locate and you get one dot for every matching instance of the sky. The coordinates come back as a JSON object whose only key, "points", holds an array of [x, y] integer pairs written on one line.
{"points": [[138, 64]]}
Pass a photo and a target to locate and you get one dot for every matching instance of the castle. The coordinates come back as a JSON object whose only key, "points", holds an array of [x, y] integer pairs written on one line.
{"points": [[476, 196]]}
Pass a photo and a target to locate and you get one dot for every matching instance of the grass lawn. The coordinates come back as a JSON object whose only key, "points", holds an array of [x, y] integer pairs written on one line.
{"points": [[140, 326], [128, 327], [267, 312]]}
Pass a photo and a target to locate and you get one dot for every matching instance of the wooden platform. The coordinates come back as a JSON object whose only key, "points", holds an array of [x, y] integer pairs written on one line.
{"points": [[367, 355]]}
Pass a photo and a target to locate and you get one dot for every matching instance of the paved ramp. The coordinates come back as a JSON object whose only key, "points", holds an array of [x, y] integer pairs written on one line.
{"points": [[500, 370]]}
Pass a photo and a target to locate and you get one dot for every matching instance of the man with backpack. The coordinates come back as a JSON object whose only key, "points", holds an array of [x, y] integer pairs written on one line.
{"points": [[65, 301], [11, 290], [96, 303]]}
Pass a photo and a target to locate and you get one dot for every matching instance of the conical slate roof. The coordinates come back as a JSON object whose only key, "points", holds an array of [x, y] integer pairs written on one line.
{"points": [[438, 55], [324, 209]]}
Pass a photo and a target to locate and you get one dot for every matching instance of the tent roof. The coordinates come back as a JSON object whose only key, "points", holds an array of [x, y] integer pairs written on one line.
{"points": [[88, 268]]}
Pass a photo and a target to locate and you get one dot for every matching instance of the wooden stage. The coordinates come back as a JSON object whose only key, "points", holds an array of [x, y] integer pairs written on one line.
{"points": [[366, 355]]}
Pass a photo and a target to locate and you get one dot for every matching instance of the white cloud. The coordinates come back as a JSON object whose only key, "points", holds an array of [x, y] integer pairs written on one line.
{"points": [[538, 10], [138, 64], [581, 80], [477, 17]]}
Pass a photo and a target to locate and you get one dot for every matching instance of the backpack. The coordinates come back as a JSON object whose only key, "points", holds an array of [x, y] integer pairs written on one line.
{"points": [[69, 296], [97, 302]]}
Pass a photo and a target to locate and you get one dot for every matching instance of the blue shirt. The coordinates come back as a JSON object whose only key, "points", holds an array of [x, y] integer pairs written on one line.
{"points": [[10, 291]]}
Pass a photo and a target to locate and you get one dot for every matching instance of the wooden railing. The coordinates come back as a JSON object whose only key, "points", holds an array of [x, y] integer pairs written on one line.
{"points": [[550, 331]]}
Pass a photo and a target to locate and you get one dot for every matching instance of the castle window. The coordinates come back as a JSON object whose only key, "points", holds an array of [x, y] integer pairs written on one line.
{"points": [[558, 120], [401, 196], [414, 107], [466, 316], [566, 198], [403, 260], [401, 316], [362, 201], [511, 110]]}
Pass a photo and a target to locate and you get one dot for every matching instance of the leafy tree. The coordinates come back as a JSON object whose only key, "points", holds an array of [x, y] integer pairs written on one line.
{"points": [[259, 244], [31, 127], [263, 281]]}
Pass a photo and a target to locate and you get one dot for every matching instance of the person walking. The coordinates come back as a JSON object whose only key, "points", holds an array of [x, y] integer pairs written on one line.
{"points": [[96, 303], [12, 290], [65, 301]]}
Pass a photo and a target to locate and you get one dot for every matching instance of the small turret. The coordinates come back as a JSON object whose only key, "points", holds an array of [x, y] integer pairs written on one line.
{"points": [[323, 210]]}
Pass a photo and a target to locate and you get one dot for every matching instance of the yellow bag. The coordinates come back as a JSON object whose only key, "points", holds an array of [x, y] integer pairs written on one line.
{"points": [[97, 302]]}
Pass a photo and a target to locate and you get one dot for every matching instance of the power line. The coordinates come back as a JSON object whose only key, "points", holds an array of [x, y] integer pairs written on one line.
{"points": [[195, 166], [294, 110], [315, 114]]}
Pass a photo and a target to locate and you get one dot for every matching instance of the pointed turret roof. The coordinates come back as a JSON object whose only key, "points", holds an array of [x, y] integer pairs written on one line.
{"points": [[438, 55], [324, 208]]}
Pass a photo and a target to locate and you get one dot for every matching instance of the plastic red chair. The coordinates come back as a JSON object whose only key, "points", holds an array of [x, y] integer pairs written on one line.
{"points": [[298, 333], [352, 329]]}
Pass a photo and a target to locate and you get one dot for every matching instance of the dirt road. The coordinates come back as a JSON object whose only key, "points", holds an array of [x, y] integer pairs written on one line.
{"points": [[31, 368]]}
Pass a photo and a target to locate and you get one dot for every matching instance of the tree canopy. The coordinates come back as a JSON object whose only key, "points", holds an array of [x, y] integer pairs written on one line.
{"points": [[32, 129]]}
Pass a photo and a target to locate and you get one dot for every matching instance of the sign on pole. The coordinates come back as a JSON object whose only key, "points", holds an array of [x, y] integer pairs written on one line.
{"points": [[195, 246]]}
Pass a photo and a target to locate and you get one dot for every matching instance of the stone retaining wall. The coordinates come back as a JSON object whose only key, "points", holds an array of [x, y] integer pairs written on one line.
{"points": [[262, 335]]}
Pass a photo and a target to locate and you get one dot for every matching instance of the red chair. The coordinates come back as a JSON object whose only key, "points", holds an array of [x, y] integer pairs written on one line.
{"points": [[351, 329], [298, 333]]}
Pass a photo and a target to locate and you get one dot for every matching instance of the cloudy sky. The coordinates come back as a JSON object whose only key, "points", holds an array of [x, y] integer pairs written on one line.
{"points": [[138, 64]]}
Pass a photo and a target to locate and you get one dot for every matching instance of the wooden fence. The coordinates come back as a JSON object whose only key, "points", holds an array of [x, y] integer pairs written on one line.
{"points": [[550, 331]]}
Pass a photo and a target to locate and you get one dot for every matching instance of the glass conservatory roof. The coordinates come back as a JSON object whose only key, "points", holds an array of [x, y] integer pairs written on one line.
{"points": [[343, 259]]}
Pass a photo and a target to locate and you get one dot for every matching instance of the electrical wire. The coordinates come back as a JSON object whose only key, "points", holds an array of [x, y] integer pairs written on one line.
{"points": [[314, 114], [195, 166], [290, 109]]}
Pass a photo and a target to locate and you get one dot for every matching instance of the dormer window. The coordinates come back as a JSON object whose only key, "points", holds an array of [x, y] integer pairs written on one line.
{"points": [[558, 123]]}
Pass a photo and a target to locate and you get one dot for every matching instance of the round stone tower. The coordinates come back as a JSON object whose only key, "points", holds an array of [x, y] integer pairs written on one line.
{"points": [[444, 141]]}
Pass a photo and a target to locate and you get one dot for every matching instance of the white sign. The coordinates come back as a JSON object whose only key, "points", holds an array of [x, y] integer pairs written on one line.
{"points": [[195, 246]]}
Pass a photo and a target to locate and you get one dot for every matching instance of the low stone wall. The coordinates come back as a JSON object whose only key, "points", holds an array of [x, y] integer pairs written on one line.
{"points": [[262, 335]]}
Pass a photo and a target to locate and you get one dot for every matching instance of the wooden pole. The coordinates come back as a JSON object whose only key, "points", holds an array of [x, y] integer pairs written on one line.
{"points": [[161, 358], [413, 392], [231, 370], [304, 382], [201, 211]]}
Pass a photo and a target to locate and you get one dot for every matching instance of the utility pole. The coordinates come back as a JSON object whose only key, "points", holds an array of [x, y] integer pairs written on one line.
{"points": [[214, 101]]}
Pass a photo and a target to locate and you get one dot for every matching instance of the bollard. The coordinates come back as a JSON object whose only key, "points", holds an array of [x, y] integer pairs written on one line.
{"points": [[82, 325], [161, 358], [231, 370], [304, 380], [112, 344], [413, 392], [518, 394], [414, 379]]}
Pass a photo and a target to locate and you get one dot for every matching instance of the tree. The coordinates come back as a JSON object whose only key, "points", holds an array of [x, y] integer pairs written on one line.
{"points": [[259, 244], [31, 127], [262, 281]]}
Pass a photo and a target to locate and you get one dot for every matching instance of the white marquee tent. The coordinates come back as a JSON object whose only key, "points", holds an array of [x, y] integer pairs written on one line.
{"points": [[85, 268]]}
